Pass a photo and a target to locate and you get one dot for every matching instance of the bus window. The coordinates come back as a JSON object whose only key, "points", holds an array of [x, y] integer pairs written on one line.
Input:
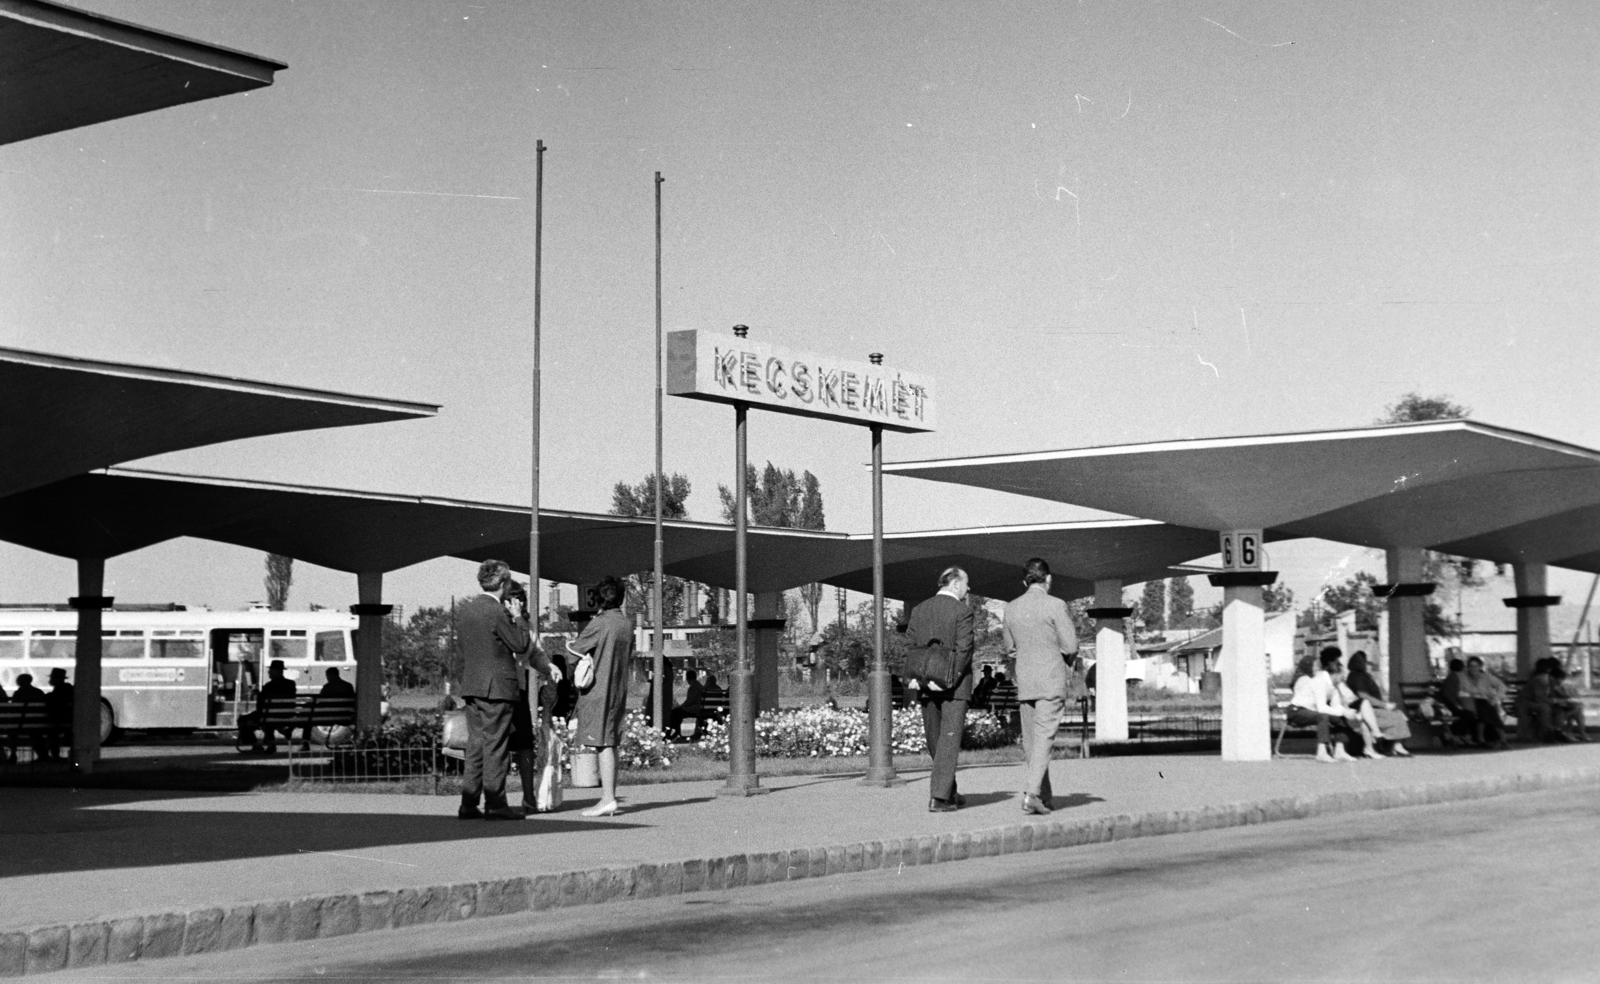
{"points": [[10, 645], [177, 645], [330, 647], [127, 644], [288, 645], [50, 645]]}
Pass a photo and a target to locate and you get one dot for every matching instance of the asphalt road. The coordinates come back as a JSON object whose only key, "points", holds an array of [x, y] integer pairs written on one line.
{"points": [[1504, 889]]}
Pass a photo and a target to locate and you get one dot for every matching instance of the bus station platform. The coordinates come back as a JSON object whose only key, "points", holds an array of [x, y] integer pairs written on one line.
{"points": [[104, 875]]}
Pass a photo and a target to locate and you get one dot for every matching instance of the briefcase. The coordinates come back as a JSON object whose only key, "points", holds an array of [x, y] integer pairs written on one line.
{"points": [[934, 663]]}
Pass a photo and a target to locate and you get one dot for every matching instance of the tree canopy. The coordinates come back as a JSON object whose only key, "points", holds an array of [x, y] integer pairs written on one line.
{"points": [[1414, 408]]}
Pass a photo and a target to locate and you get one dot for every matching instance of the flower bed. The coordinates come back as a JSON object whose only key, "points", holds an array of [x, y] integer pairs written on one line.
{"points": [[825, 732], [641, 747]]}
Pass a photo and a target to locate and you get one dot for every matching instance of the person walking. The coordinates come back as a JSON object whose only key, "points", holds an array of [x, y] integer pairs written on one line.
{"points": [[1038, 634], [945, 618], [491, 642], [608, 641]]}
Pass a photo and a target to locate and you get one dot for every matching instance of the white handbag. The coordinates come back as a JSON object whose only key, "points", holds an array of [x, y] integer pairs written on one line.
{"points": [[583, 673]]}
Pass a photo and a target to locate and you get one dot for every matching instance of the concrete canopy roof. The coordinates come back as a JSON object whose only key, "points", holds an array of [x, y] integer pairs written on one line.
{"points": [[121, 509], [1402, 485], [1129, 550], [62, 416], [62, 68]]}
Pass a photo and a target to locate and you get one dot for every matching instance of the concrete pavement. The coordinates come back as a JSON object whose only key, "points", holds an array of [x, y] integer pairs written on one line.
{"points": [[96, 876]]}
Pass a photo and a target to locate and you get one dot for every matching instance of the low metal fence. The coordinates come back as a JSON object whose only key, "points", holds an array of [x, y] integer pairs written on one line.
{"points": [[417, 765]]}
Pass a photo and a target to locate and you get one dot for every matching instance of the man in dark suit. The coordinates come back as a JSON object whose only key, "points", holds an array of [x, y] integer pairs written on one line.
{"points": [[945, 618], [492, 643]]}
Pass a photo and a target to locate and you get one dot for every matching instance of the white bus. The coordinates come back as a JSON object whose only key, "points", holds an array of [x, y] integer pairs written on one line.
{"points": [[178, 669]]}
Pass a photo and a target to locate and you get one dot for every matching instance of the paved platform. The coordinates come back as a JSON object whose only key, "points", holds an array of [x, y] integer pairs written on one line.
{"points": [[91, 876]]}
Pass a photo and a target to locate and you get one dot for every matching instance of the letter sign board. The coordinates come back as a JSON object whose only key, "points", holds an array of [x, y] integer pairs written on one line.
{"points": [[725, 369], [1241, 550]]}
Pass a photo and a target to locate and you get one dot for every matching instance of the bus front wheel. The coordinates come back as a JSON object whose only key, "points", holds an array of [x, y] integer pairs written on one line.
{"points": [[109, 732]]}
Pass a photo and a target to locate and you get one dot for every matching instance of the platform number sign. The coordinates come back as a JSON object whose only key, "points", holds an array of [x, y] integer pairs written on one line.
{"points": [[588, 597], [1241, 550]]}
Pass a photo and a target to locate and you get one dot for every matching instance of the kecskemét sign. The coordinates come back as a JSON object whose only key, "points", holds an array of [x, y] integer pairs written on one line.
{"points": [[706, 366]]}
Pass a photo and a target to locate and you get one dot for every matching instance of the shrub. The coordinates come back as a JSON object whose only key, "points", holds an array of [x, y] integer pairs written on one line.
{"points": [[825, 732], [641, 747]]}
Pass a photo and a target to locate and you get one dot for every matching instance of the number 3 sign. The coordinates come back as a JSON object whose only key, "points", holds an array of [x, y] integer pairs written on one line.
{"points": [[1241, 550]]}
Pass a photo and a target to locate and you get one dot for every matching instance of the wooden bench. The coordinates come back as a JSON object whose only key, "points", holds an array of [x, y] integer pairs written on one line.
{"points": [[304, 712], [42, 727]]}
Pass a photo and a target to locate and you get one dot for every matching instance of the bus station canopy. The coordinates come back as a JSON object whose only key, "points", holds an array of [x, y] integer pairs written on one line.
{"points": [[61, 68], [1434, 484], [117, 510], [62, 416]]}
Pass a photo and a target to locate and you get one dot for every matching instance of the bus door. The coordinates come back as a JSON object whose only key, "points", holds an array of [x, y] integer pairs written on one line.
{"points": [[236, 674]]}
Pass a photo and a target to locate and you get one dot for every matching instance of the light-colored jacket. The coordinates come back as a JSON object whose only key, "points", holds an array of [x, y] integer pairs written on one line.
{"points": [[1038, 635]]}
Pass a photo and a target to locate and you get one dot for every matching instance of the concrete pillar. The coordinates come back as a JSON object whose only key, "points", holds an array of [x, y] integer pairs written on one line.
{"points": [[1246, 703], [86, 666], [1111, 658], [369, 648], [1408, 640], [1533, 616], [767, 620]]}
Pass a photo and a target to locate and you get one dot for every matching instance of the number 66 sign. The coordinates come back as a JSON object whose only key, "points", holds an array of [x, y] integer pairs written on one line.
{"points": [[1241, 550]]}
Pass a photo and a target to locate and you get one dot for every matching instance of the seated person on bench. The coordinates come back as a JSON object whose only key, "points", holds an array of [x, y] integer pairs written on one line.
{"points": [[275, 689], [691, 706], [1316, 703], [337, 686], [1481, 694]]}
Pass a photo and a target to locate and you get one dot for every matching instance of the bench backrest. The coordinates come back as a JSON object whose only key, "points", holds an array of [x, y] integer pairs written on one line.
{"points": [[32, 717], [311, 709]]}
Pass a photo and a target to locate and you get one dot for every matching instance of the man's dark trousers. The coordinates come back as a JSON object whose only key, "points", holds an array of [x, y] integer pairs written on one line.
{"points": [[488, 752], [943, 718]]}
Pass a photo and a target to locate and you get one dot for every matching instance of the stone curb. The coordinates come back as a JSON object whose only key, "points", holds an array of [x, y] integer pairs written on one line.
{"points": [[213, 929]]}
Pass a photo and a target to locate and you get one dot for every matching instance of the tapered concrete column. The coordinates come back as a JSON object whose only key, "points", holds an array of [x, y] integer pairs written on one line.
{"points": [[1533, 616], [369, 648], [1246, 707], [86, 665], [1408, 640], [768, 623], [1111, 662]]}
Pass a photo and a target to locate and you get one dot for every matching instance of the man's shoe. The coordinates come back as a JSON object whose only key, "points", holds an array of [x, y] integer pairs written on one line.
{"points": [[960, 800], [469, 813], [1035, 805], [936, 805], [1323, 756], [1340, 755], [502, 813]]}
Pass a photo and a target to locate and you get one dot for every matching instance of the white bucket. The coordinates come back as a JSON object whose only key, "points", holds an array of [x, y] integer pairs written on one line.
{"points": [[585, 768]]}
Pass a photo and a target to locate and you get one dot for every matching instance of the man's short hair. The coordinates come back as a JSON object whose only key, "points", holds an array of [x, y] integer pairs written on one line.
{"points": [[333, 673], [1456, 666], [1474, 660], [610, 593], [492, 574], [950, 575], [1327, 651], [1035, 571]]}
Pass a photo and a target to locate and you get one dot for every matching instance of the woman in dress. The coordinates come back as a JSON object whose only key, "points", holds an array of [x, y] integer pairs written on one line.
{"points": [[1382, 719], [608, 641]]}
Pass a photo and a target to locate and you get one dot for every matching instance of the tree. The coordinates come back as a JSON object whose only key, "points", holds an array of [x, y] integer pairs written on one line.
{"points": [[1414, 407], [776, 497], [1277, 598], [1180, 601], [1152, 607], [280, 574], [419, 652], [1355, 593], [639, 500]]}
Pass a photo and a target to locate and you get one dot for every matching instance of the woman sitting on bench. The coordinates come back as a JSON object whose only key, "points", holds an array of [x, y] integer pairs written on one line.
{"points": [[1316, 703], [1380, 719]]}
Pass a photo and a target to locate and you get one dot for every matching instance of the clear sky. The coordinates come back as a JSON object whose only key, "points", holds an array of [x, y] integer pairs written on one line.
{"points": [[1092, 222]]}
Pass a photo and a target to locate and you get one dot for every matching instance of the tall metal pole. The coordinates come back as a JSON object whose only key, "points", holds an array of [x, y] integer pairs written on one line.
{"points": [[533, 509], [742, 778], [880, 723], [662, 689]]}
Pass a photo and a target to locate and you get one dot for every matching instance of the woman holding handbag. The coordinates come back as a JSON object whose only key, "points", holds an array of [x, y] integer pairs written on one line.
{"points": [[604, 649]]}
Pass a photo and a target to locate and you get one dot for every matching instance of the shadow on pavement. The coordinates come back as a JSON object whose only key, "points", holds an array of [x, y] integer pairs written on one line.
{"points": [[90, 832]]}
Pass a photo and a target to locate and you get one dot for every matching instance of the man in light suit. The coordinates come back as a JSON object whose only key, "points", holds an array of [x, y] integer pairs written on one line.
{"points": [[492, 645], [945, 618], [1039, 636]]}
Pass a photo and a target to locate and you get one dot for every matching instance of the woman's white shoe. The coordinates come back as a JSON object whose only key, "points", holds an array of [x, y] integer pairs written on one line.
{"points": [[602, 810], [1340, 755]]}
